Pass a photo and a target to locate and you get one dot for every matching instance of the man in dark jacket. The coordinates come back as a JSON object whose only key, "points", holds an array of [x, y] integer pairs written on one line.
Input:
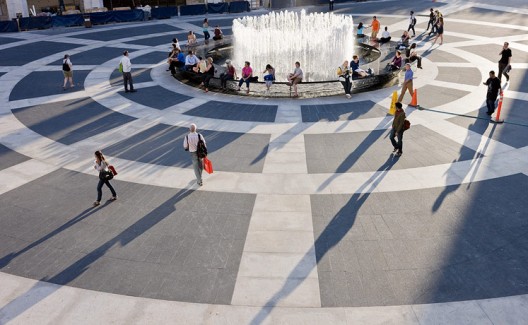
{"points": [[397, 129]]}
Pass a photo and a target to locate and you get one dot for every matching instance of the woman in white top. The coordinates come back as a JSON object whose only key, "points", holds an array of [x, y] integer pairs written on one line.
{"points": [[191, 39], [101, 165], [67, 71]]}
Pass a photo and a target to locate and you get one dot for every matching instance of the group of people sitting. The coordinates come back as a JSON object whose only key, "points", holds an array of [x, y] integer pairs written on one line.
{"points": [[347, 73], [410, 56]]}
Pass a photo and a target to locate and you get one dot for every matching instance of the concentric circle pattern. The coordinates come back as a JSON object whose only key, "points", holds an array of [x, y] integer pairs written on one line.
{"points": [[307, 207]]}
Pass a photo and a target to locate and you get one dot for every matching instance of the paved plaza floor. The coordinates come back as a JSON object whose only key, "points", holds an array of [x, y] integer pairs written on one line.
{"points": [[308, 217]]}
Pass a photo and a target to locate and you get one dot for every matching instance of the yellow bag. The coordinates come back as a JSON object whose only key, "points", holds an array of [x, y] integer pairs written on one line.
{"points": [[339, 71]]}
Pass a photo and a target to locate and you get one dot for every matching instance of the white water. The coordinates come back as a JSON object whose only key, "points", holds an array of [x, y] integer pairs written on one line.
{"points": [[319, 41]]}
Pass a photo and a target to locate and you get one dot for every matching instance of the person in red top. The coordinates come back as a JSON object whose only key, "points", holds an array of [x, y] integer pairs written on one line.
{"points": [[375, 28]]}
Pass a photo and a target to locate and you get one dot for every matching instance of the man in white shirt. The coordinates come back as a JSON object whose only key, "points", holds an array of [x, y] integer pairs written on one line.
{"points": [[412, 23], [295, 78], [191, 61], [127, 75], [385, 36], [190, 143]]}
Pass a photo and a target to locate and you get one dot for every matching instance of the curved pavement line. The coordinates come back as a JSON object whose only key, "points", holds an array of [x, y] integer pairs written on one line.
{"points": [[27, 301]]}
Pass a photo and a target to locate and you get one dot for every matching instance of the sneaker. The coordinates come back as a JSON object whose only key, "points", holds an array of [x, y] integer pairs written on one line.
{"points": [[200, 183], [348, 96], [395, 149], [96, 203], [399, 154], [113, 198]]}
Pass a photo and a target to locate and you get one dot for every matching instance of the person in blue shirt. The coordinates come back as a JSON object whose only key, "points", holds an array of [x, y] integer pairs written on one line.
{"points": [[356, 70], [360, 31], [408, 83]]}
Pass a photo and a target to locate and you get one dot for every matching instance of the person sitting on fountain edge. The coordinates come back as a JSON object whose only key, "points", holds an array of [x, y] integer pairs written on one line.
{"points": [[218, 35], [191, 61], [356, 70], [396, 62], [295, 78], [385, 36], [247, 74], [343, 74]]}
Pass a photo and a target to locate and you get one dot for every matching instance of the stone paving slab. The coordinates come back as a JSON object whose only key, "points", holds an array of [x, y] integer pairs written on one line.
{"points": [[71, 120], [160, 40], [95, 56], [163, 145], [23, 54], [166, 247], [432, 96], [518, 79], [495, 16], [438, 55], [342, 112], [144, 29], [371, 250], [510, 134], [150, 58], [477, 30], [235, 111], [7, 40], [369, 151], [468, 76], [10, 158], [138, 76], [156, 97], [491, 52], [49, 83]]}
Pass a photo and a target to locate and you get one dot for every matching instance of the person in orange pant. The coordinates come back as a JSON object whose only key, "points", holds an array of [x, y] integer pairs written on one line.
{"points": [[408, 83]]}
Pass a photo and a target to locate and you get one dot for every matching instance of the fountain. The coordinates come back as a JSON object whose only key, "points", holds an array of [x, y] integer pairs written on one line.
{"points": [[319, 41]]}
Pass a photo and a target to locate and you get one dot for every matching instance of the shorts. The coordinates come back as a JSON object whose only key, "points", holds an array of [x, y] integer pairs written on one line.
{"points": [[67, 74], [296, 81]]}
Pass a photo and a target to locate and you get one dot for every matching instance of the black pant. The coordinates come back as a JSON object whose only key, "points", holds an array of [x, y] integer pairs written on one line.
{"points": [[207, 35], [346, 85], [502, 67], [174, 65], [411, 26], [206, 79], [416, 58], [127, 80], [330, 5], [430, 23], [100, 189], [490, 103], [224, 77]]}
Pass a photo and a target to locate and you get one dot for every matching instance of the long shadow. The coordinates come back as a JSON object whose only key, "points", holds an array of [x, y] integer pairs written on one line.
{"points": [[358, 152], [36, 294], [474, 130], [333, 233], [4, 261]]}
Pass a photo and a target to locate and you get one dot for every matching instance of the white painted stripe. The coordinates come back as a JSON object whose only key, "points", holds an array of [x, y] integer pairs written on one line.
{"points": [[23, 173]]}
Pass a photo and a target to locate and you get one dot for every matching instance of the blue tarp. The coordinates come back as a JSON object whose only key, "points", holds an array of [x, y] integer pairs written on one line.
{"points": [[239, 6], [35, 22], [117, 16], [217, 8], [8, 26], [164, 12], [192, 10], [67, 20]]}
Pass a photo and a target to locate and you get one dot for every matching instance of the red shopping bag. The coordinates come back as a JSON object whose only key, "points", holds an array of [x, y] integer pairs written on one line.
{"points": [[208, 165], [112, 169]]}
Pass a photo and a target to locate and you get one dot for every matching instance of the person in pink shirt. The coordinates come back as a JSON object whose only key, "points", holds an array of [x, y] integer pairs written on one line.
{"points": [[247, 74]]}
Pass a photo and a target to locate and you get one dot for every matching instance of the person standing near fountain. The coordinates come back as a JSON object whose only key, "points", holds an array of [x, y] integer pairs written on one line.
{"points": [[295, 78], [331, 5], [247, 74], [205, 29], [375, 29]]}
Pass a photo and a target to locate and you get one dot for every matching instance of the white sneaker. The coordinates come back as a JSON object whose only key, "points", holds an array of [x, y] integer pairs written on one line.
{"points": [[348, 96]]}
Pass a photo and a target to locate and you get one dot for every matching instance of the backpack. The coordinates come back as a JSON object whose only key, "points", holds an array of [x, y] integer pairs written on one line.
{"points": [[65, 66], [201, 149], [414, 21], [406, 124]]}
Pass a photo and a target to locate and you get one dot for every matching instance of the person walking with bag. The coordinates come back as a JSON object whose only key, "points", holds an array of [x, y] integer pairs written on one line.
{"points": [[105, 175], [126, 67], [194, 142], [398, 129], [67, 71]]}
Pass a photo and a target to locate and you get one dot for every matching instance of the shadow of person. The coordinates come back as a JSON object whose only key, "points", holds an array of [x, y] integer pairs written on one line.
{"points": [[332, 234]]}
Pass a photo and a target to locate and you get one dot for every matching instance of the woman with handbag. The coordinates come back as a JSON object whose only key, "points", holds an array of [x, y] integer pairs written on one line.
{"points": [[105, 175], [67, 71]]}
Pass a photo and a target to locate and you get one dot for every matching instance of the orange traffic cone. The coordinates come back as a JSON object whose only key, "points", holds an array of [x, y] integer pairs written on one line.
{"points": [[414, 101]]}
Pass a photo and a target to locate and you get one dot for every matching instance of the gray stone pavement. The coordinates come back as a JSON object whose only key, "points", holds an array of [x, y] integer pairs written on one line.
{"points": [[444, 223]]}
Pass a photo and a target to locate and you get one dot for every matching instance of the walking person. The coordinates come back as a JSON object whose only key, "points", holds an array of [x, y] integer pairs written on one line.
{"points": [[67, 71], [398, 129], [407, 83], [331, 5], [101, 165], [191, 144], [412, 23], [504, 62], [431, 20], [439, 30], [127, 73], [205, 29], [494, 86], [295, 78]]}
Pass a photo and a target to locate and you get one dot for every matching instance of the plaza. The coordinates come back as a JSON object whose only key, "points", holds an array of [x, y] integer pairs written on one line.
{"points": [[308, 217]]}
